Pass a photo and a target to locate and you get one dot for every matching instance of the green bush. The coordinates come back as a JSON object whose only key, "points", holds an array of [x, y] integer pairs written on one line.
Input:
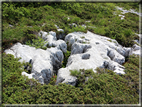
{"points": [[49, 27], [100, 14], [37, 43], [101, 88], [53, 80]]}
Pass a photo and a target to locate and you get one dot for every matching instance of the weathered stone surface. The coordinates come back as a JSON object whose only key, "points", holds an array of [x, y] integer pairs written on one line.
{"points": [[136, 50], [60, 44], [65, 77], [79, 48], [43, 35], [85, 56], [53, 42], [24, 51], [88, 51], [53, 34], [128, 11], [42, 61], [30, 76], [57, 58], [119, 69], [42, 65], [98, 51]]}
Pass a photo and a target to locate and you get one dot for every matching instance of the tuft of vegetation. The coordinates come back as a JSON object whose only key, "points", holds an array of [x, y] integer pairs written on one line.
{"points": [[75, 72], [37, 43], [83, 37], [53, 80], [66, 56], [49, 27]]}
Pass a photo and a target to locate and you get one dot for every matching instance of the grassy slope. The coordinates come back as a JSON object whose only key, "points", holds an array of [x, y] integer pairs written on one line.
{"points": [[100, 14], [20, 15]]}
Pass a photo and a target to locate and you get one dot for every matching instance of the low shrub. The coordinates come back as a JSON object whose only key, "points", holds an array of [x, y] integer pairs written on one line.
{"points": [[37, 43], [100, 88], [49, 27], [53, 80]]}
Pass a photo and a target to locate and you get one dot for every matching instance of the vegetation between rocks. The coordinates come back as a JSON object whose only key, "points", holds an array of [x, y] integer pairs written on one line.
{"points": [[37, 43], [21, 23], [103, 87]]}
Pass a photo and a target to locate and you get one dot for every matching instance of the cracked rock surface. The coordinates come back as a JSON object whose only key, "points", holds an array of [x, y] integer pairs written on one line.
{"points": [[88, 51], [44, 62]]}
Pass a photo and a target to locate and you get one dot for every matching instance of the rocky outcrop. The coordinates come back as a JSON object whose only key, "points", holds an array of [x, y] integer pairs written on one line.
{"points": [[42, 61], [89, 51]]}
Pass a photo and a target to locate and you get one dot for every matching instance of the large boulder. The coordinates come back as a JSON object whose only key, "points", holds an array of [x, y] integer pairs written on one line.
{"points": [[89, 51], [42, 61], [24, 51]]}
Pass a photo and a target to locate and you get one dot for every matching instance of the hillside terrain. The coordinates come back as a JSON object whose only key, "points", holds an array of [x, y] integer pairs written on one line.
{"points": [[70, 53]]}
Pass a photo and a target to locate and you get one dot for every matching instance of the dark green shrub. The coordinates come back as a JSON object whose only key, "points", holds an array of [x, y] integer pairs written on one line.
{"points": [[101, 88], [14, 85], [53, 80], [38, 43], [49, 27]]}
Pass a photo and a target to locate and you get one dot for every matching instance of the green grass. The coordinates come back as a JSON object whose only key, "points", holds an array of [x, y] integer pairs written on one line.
{"points": [[100, 14], [75, 72]]}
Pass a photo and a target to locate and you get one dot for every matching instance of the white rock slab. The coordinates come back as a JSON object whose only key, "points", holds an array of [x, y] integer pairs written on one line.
{"points": [[100, 52], [42, 60]]}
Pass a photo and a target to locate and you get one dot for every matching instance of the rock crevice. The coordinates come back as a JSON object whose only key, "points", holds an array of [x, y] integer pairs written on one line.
{"points": [[88, 51]]}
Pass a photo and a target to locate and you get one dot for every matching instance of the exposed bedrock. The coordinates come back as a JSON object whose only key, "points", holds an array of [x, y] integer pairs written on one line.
{"points": [[44, 62], [89, 51]]}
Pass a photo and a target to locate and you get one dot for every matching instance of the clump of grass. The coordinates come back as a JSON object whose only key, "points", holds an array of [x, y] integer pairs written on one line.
{"points": [[109, 40], [75, 72], [83, 37], [66, 56]]}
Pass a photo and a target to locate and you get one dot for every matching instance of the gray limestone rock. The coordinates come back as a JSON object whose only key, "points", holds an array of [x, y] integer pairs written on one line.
{"points": [[42, 61]]}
